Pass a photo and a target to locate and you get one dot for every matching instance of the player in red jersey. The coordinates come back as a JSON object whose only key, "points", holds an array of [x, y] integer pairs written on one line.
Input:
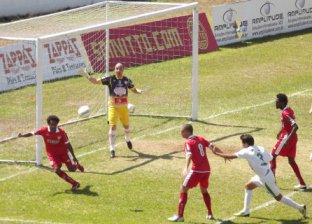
{"points": [[57, 147], [195, 151], [287, 139]]}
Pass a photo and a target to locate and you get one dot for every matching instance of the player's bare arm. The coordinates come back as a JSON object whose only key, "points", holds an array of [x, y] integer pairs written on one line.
{"points": [[293, 131], [141, 91], [86, 74], [224, 155], [71, 150], [187, 164], [29, 134]]}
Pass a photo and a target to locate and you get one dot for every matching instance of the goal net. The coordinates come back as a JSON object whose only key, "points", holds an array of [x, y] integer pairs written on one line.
{"points": [[41, 57]]}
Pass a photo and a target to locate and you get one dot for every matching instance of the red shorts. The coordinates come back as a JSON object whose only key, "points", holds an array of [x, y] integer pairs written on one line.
{"points": [[192, 179], [57, 160], [289, 150]]}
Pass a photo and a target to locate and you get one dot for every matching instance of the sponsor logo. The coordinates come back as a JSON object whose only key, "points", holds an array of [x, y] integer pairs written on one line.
{"points": [[120, 91], [59, 51], [229, 16], [203, 40], [231, 22], [300, 4], [266, 10], [17, 61]]}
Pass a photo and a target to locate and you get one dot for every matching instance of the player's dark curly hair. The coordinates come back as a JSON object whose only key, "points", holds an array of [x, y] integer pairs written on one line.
{"points": [[53, 118], [246, 138], [282, 98]]}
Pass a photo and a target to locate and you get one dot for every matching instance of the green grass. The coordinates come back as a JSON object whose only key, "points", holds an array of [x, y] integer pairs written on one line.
{"points": [[141, 186]]}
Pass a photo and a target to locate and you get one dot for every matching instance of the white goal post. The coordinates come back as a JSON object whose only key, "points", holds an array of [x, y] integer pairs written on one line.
{"points": [[89, 23]]}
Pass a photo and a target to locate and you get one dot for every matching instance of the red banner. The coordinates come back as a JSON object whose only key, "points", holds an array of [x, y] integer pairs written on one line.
{"points": [[148, 42]]}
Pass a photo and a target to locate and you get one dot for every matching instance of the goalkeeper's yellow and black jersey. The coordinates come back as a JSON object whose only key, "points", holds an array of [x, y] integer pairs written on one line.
{"points": [[117, 87]]}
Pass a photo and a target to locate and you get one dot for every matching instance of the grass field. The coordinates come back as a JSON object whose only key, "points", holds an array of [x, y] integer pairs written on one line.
{"points": [[238, 84]]}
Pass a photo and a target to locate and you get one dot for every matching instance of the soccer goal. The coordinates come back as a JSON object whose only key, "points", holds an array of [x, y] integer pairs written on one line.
{"points": [[40, 59]]}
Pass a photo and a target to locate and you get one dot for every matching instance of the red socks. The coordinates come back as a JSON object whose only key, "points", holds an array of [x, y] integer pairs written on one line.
{"points": [[296, 170], [182, 203], [207, 201], [64, 176]]}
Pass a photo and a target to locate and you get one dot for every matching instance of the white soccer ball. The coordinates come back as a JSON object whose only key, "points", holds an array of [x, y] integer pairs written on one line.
{"points": [[131, 108], [84, 111]]}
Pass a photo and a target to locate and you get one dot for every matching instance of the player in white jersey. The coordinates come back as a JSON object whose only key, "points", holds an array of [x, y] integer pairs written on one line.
{"points": [[258, 159]]}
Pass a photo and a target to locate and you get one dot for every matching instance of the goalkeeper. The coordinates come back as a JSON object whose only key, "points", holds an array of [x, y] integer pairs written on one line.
{"points": [[118, 86]]}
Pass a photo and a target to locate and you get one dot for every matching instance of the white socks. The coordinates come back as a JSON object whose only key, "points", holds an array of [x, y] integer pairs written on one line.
{"points": [[291, 203], [111, 139], [127, 137], [247, 200]]}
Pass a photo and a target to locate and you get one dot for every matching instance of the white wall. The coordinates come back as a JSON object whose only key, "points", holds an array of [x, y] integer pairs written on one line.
{"points": [[23, 7]]}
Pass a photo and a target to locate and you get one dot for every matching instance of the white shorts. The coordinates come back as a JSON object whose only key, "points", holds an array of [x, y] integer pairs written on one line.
{"points": [[268, 182]]}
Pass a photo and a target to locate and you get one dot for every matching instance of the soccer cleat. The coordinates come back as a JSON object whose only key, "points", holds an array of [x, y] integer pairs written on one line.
{"points": [[129, 144], [75, 186], [210, 217], [304, 211], [79, 167], [112, 154], [176, 218], [242, 214], [300, 187]]}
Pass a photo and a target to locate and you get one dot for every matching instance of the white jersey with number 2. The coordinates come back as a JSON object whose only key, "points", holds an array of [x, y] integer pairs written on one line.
{"points": [[258, 159]]}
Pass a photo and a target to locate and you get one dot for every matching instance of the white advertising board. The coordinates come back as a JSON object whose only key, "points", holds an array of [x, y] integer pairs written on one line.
{"points": [[61, 58], [258, 18]]}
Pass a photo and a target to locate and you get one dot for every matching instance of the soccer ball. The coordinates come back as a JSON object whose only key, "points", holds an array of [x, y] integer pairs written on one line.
{"points": [[131, 108], [311, 156], [84, 111]]}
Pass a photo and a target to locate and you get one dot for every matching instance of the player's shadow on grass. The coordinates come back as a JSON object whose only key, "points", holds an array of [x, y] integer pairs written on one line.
{"points": [[169, 156], [252, 130], [85, 191]]}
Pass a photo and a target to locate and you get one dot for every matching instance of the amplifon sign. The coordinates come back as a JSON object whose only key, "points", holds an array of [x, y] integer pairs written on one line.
{"points": [[148, 43], [260, 18]]}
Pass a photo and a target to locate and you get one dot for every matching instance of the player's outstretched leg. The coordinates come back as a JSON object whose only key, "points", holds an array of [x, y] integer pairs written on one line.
{"points": [[288, 201], [64, 176]]}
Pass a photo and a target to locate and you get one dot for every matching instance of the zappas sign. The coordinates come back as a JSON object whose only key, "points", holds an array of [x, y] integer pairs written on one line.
{"points": [[132, 45], [61, 58], [149, 42], [254, 19]]}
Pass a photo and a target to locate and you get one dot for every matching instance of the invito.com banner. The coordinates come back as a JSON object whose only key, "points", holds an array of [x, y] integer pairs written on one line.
{"points": [[148, 42], [258, 18]]}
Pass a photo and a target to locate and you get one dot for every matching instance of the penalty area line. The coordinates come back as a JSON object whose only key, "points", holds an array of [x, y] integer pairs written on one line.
{"points": [[17, 174], [176, 127], [29, 221]]}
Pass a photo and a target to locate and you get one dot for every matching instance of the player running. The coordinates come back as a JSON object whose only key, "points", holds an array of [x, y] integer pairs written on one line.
{"points": [[287, 139], [57, 147], [258, 159], [118, 86], [195, 151]]}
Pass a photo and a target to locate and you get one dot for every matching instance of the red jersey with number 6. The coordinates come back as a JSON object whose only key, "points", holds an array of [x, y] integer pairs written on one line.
{"points": [[196, 147]]}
